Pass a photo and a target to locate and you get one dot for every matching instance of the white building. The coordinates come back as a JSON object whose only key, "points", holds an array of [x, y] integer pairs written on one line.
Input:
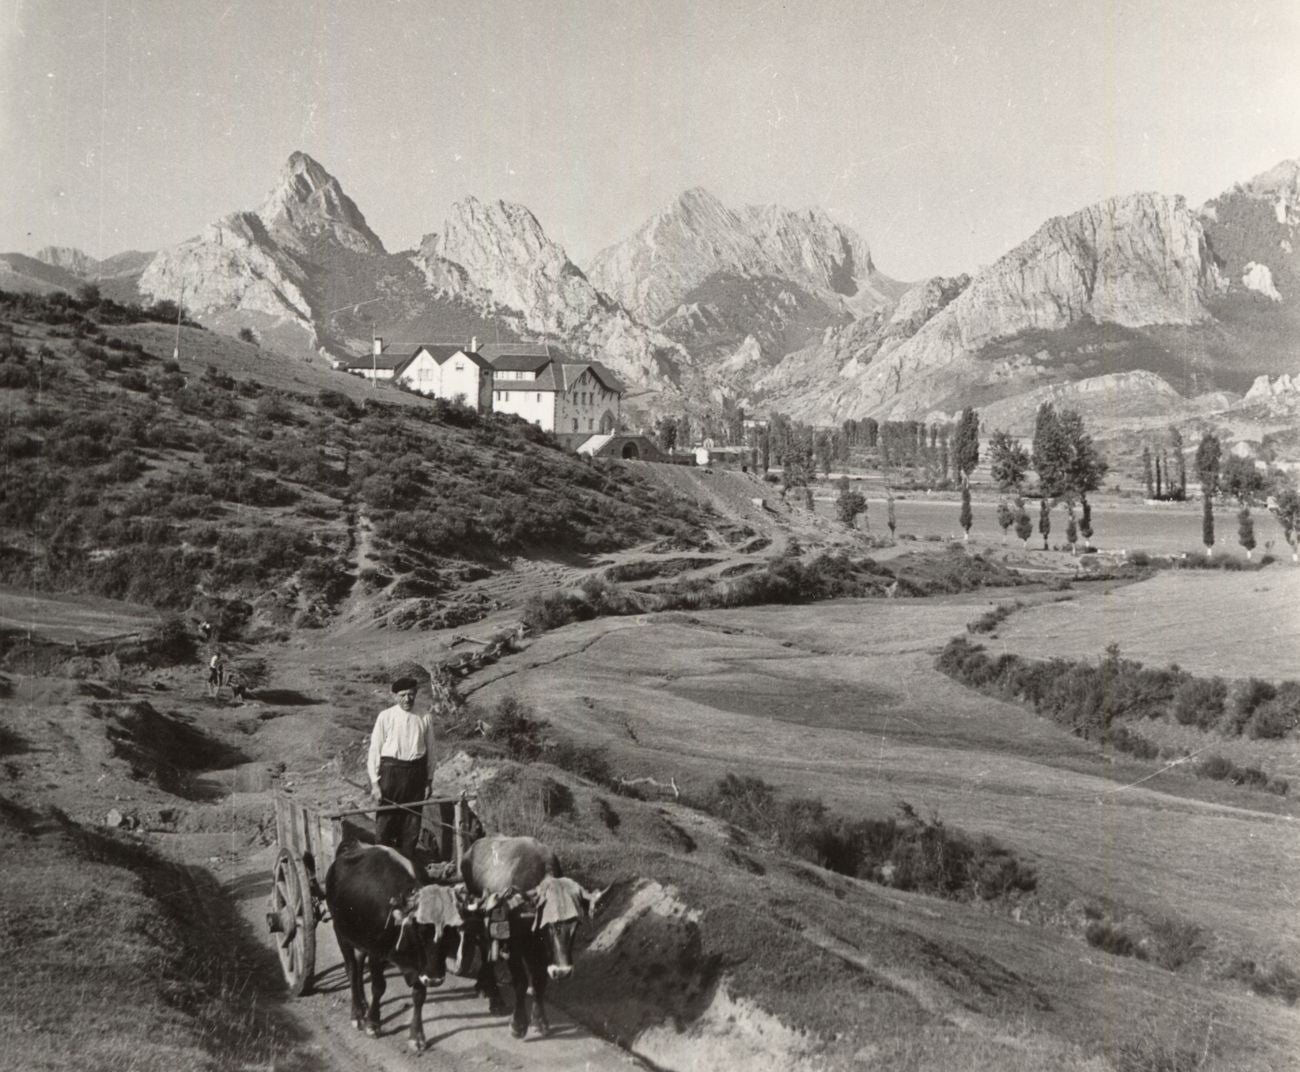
{"points": [[556, 394], [379, 364], [453, 373]]}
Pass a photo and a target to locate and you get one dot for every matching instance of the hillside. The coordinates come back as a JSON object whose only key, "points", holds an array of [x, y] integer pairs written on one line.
{"points": [[235, 486]]}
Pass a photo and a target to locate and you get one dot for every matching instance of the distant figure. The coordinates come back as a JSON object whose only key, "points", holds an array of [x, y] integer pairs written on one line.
{"points": [[205, 631], [216, 673], [238, 687], [401, 764]]}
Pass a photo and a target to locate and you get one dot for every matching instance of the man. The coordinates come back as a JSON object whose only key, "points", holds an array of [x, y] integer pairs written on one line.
{"points": [[400, 765], [216, 672]]}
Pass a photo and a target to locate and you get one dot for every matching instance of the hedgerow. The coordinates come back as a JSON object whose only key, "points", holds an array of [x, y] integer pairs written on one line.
{"points": [[907, 851], [1091, 699]]}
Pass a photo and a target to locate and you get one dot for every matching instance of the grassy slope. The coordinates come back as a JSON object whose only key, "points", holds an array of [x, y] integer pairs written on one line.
{"points": [[841, 701], [129, 478]]}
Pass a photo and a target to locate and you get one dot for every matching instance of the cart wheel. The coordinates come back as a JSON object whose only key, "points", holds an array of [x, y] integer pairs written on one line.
{"points": [[292, 921]]}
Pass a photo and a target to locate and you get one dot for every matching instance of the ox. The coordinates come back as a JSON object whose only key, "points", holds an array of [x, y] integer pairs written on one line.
{"points": [[383, 914], [520, 878]]}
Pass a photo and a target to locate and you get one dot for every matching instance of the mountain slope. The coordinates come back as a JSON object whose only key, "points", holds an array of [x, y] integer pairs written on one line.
{"points": [[741, 288], [1129, 262], [500, 253]]}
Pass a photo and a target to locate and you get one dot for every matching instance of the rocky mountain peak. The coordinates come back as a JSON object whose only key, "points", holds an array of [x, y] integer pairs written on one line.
{"points": [[1282, 181], [308, 202], [697, 238], [69, 259]]}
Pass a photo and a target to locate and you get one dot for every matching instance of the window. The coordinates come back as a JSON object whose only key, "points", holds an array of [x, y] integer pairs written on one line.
{"points": [[575, 423], [460, 366], [539, 398]]}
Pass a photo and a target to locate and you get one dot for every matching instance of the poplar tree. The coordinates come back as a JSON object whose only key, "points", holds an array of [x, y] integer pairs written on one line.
{"points": [[1246, 531], [966, 516], [1024, 527], [1179, 474], [1045, 519], [1146, 471], [1006, 518], [967, 445]]}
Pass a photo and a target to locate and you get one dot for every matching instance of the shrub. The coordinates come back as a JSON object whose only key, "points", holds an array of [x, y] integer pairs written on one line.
{"points": [[1215, 766], [1269, 980], [1112, 938], [1200, 702], [339, 403], [274, 408], [1279, 715], [1247, 696]]}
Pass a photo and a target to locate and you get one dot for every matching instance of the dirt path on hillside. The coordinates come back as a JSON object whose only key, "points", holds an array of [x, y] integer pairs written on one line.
{"points": [[461, 1036]]}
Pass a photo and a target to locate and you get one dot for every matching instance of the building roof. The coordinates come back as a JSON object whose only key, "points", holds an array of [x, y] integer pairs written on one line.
{"points": [[495, 351], [545, 382], [441, 353], [388, 360], [520, 362], [570, 372]]}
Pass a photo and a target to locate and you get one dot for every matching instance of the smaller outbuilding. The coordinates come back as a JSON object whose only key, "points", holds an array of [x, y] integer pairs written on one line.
{"points": [[627, 446]]}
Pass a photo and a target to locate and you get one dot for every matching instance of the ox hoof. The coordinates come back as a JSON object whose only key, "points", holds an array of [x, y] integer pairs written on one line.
{"points": [[372, 1030], [518, 1030], [416, 1045], [497, 1007], [541, 1029]]}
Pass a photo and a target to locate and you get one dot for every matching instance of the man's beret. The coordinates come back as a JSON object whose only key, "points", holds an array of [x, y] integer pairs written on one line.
{"points": [[405, 684]]}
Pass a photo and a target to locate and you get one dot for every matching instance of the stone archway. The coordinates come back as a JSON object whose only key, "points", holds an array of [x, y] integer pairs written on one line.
{"points": [[630, 452], [607, 423]]}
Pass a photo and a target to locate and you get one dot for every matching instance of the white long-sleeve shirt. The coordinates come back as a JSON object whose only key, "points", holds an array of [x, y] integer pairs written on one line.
{"points": [[400, 735]]}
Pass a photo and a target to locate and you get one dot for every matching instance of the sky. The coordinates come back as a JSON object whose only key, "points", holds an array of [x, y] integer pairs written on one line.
{"points": [[944, 133]]}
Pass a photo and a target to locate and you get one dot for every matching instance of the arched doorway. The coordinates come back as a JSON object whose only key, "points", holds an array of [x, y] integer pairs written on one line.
{"points": [[630, 452]]}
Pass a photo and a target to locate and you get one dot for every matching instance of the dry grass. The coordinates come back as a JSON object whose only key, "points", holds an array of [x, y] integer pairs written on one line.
{"points": [[841, 701], [118, 960], [1230, 624]]}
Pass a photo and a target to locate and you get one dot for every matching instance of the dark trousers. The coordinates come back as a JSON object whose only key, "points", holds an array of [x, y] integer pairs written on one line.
{"points": [[401, 781]]}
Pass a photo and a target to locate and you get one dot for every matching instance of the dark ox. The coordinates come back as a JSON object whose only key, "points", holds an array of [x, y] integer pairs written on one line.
{"points": [[383, 915], [544, 909]]}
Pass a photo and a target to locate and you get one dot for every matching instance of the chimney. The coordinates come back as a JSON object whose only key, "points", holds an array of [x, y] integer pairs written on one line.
{"points": [[473, 344], [378, 346]]}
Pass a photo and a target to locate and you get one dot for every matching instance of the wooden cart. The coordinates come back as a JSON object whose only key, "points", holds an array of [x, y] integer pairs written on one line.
{"points": [[306, 841]]}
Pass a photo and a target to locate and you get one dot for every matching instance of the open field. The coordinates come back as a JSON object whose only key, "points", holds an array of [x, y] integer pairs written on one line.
{"points": [[1118, 524], [71, 618], [841, 701], [1233, 624]]}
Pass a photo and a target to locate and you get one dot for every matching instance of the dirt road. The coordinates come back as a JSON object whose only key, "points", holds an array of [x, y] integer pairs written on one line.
{"points": [[462, 1036]]}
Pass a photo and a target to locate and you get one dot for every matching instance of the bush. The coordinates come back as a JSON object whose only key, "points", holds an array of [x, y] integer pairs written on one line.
{"points": [[1279, 715], [1215, 766], [1246, 697], [1200, 702], [1112, 938]]}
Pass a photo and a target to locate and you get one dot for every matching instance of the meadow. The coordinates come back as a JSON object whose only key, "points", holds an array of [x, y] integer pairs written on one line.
{"points": [[1118, 524]]}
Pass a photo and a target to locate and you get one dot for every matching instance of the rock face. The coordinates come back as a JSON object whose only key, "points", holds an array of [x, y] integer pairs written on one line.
{"points": [[69, 259], [309, 204], [1266, 389], [697, 237], [499, 250], [1116, 400], [254, 268], [1131, 261], [1254, 229]]}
